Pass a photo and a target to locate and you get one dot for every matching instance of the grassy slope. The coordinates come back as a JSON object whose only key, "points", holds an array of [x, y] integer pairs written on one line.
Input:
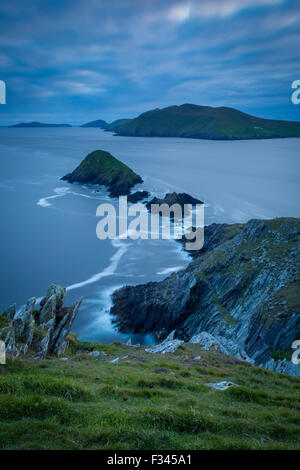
{"points": [[206, 122], [145, 402]]}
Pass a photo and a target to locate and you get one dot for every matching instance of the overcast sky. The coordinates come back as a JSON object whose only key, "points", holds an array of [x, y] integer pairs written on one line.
{"points": [[74, 61]]}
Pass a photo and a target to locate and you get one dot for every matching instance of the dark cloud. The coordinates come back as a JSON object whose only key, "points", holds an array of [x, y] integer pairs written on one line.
{"points": [[80, 60]]}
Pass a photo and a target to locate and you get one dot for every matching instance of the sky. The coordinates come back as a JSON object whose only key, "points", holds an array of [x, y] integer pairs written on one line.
{"points": [[73, 61]]}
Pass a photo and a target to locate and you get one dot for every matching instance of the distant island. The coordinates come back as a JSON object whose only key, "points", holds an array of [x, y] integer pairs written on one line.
{"points": [[39, 124], [203, 122], [99, 123], [116, 126], [100, 167], [192, 121]]}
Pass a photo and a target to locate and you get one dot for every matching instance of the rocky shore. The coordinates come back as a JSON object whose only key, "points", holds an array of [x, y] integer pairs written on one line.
{"points": [[243, 287]]}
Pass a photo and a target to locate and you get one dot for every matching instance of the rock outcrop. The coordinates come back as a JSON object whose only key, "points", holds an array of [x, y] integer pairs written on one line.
{"points": [[242, 288], [137, 196], [174, 198], [101, 168], [39, 331]]}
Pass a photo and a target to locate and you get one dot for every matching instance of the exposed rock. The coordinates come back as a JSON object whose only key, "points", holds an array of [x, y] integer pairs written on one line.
{"points": [[174, 198], [219, 343], [94, 353], [39, 332], [284, 366], [169, 345], [222, 385], [243, 289], [137, 196], [101, 168]]}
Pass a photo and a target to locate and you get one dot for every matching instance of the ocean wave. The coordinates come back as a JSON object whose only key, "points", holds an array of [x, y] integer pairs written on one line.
{"points": [[43, 202], [108, 271], [170, 270]]}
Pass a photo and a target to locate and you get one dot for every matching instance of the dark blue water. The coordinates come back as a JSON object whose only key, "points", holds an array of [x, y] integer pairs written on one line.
{"points": [[48, 227]]}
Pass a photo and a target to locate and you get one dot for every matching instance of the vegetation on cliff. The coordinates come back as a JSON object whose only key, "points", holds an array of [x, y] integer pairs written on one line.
{"points": [[205, 122], [100, 167]]}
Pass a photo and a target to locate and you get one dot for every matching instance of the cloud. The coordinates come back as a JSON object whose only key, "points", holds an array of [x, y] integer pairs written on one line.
{"points": [[123, 56]]}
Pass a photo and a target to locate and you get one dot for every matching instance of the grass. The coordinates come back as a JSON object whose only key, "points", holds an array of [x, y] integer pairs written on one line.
{"points": [[145, 401]]}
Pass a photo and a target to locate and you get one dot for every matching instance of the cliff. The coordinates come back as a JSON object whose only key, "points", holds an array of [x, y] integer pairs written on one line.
{"points": [[243, 287]]}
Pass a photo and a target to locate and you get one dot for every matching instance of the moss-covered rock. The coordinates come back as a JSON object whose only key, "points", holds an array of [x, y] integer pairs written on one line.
{"points": [[101, 168]]}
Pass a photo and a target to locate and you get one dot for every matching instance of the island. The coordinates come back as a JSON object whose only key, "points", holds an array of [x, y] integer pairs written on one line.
{"points": [[99, 123], [204, 122], [101, 168], [174, 198], [39, 124]]}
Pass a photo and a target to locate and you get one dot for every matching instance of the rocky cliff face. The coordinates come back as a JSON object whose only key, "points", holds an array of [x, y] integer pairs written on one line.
{"points": [[39, 330], [242, 287]]}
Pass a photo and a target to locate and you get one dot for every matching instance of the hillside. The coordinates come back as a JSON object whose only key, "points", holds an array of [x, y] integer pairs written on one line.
{"points": [[116, 126], [205, 122], [145, 401], [101, 168], [99, 123]]}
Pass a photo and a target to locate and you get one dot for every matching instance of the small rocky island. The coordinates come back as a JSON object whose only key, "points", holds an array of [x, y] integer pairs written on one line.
{"points": [[101, 168], [39, 330], [175, 198]]}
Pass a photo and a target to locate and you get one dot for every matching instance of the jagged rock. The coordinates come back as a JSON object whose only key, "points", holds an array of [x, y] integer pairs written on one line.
{"points": [[137, 196], [208, 341], [40, 332], [243, 289], [59, 292], [169, 345], [174, 198], [284, 366], [58, 342], [222, 344], [22, 318], [48, 311]]}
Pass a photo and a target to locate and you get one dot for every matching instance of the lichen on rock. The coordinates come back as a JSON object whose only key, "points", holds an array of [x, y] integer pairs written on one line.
{"points": [[39, 332]]}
